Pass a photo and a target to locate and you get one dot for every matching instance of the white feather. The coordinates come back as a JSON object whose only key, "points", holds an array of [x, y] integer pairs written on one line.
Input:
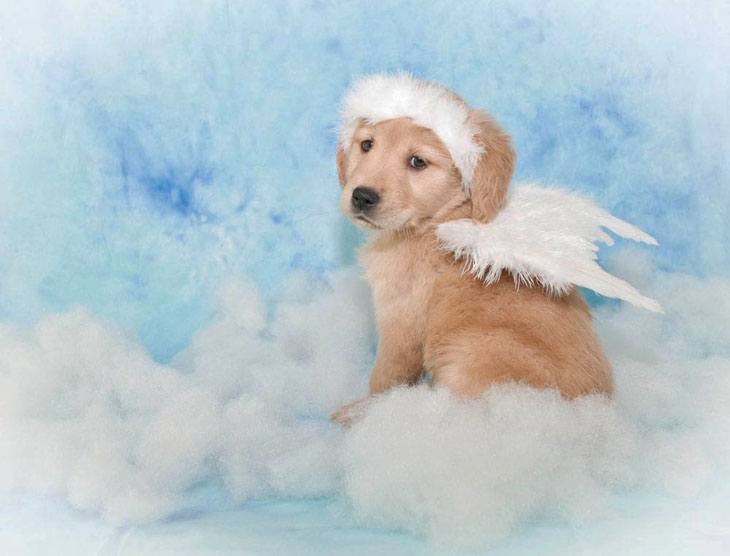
{"points": [[549, 237]]}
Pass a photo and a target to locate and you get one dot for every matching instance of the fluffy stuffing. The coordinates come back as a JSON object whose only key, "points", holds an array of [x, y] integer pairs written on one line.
{"points": [[545, 236], [86, 414]]}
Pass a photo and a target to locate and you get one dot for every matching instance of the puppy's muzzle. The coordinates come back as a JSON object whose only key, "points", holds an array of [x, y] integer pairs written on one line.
{"points": [[364, 199]]}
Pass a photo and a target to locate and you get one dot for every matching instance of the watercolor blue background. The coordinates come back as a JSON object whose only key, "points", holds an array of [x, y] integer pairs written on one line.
{"points": [[150, 149]]}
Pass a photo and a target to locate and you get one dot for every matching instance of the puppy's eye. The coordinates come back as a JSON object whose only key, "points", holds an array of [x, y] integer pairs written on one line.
{"points": [[417, 162], [366, 145]]}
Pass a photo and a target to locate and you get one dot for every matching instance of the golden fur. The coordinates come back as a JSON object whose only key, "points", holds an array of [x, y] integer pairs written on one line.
{"points": [[431, 315]]}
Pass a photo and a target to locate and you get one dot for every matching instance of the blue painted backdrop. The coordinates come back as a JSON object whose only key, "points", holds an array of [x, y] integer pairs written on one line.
{"points": [[148, 149]]}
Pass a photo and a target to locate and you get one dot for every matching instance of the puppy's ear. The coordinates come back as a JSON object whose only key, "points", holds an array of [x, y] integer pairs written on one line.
{"points": [[494, 169], [341, 165]]}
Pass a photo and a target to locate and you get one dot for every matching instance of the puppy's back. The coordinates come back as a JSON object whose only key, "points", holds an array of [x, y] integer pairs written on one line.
{"points": [[477, 335]]}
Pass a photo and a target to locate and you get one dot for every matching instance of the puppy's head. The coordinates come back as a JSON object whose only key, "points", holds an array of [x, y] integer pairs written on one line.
{"points": [[398, 173]]}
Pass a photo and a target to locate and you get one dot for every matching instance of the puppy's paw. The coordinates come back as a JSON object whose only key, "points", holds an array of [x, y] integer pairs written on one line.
{"points": [[350, 413]]}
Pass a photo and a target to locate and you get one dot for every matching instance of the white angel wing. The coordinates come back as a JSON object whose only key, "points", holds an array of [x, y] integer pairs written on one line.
{"points": [[545, 236]]}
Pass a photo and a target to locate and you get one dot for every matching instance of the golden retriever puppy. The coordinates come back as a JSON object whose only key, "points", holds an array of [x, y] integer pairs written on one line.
{"points": [[400, 181]]}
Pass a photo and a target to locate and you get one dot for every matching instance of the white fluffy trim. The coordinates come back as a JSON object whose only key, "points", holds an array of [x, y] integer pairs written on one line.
{"points": [[549, 237], [383, 97]]}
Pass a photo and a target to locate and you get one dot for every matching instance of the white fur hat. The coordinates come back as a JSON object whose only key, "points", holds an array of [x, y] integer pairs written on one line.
{"points": [[376, 98]]}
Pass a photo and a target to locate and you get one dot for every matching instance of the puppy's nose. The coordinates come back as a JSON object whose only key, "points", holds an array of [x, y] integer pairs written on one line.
{"points": [[364, 198]]}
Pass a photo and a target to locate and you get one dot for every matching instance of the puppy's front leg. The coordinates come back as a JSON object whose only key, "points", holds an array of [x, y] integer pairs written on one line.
{"points": [[399, 361]]}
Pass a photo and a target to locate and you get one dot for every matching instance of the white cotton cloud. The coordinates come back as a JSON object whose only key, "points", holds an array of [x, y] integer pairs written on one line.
{"points": [[87, 414], [469, 472]]}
